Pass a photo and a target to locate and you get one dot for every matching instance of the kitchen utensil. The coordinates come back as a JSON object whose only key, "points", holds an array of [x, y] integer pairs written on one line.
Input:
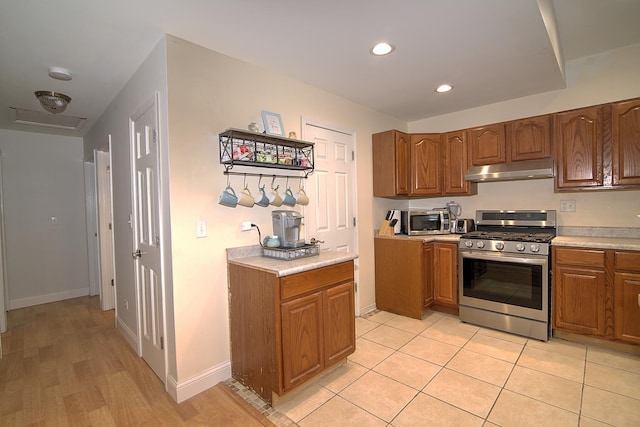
{"points": [[246, 199], [393, 222], [289, 199], [228, 197]]}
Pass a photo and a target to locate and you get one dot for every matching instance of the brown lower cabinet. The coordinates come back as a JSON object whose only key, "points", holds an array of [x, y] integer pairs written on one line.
{"points": [[597, 292], [285, 330], [412, 275]]}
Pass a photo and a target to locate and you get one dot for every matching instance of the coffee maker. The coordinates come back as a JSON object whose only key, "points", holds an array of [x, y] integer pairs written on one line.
{"points": [[286, 225]]}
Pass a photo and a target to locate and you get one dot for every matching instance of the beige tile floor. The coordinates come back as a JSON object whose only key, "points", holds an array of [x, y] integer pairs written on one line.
{"points": [[441, 372]]}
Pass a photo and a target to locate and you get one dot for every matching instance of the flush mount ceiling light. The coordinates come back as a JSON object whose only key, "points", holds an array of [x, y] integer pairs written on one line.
{"points": [[60, 73], [444, 88], [53, 102], [382, 49]]}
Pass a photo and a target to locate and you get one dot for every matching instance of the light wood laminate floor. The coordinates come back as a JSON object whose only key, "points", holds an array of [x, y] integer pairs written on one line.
{"points": [[64, 363]]}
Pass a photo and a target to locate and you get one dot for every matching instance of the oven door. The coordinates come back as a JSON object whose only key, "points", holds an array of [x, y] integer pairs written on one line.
{"points": [[512, 284]]}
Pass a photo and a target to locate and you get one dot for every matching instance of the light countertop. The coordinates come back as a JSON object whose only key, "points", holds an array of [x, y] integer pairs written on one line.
{"points": [[251, 257], [452, 238], [598, 242]]}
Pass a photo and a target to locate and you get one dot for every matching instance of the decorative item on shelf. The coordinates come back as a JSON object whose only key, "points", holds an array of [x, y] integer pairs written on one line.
{"points": [[272, 123], [253, 127], [292, 135]]}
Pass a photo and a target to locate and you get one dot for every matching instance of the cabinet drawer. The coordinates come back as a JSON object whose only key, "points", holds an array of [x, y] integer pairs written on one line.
{"points": [[586, 257], [308, 281], [629, 261]]}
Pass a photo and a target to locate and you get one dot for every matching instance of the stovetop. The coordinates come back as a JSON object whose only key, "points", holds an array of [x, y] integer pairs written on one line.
{"points": [[534, 237]]}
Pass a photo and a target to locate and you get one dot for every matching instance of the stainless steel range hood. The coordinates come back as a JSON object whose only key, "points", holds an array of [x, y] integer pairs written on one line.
{"points": [[529, 169]]}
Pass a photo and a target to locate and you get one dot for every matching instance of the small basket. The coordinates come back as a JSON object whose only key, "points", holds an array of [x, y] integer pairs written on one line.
{"points": [[289, 254]]}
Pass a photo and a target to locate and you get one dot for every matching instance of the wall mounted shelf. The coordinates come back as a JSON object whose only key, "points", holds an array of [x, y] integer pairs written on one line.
{"points": [[245, 148]]}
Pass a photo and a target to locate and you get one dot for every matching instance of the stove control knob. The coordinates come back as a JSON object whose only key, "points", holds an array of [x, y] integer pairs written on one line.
{"points": [[468, 243], [519, 247], [499, 246], [480, 244], [535, 248]]}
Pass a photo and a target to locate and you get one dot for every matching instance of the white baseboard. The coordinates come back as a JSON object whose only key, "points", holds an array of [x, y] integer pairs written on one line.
{"points": [[45, 299], [367, 309], [189, 388], [130, 337]]}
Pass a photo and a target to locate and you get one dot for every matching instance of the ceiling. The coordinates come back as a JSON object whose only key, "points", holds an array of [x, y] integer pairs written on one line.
{"points": [[490, 50]]}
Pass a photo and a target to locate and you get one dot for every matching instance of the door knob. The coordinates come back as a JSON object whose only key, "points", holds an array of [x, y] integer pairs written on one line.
{"points": [[137, 254]]}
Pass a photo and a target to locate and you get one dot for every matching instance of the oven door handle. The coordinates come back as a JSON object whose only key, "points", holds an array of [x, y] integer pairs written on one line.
{"points": [[501, 257]]}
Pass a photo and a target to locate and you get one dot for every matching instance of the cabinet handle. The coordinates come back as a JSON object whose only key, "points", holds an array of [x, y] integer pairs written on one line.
{"points": [[638, 300]]}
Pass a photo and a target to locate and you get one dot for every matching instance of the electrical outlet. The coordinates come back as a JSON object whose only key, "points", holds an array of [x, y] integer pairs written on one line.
{"points": [[246, 225], [567, 205]]}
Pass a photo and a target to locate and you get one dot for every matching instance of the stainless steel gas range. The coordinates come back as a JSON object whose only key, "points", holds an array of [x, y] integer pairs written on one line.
{"points": [[505, 272]]}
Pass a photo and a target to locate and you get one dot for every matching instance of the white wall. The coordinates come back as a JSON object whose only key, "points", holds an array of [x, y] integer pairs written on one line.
{"points": [[149, 78], [208, 93], [602, 78], [43, 178]]}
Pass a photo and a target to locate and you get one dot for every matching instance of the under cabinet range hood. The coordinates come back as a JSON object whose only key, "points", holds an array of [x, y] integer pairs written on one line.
{"points": [[528, 169]]}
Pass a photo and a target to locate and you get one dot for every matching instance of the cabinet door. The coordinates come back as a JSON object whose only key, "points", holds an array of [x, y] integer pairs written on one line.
{"points": [[529, 139], [579, 145], [399, 276], [427, 292], [445, 274], [626, 143], [302, 339], [627, 307], [390, 152], [456, 163], [339, 323], [426, 174], [488, 145], [579, 300]]}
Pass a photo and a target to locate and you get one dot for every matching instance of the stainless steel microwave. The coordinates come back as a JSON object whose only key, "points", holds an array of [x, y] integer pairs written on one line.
{"points": [[424, 222]]}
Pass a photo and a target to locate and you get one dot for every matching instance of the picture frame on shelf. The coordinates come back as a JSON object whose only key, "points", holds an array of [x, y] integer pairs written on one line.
{"points": [[272, 123]]}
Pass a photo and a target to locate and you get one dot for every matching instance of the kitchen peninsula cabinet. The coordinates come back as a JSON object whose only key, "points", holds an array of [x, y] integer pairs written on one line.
{"points": [[597, 292], [285, 330], [412, 275]]}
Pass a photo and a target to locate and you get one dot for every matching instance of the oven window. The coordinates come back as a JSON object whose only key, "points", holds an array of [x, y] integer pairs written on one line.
{"points": [[505, 282]]}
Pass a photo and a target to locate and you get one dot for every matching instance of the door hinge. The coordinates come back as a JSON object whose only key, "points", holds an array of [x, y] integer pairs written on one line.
{"points": [[109, 226], [157, 240], [354, 221], [111, 282], [161, 343], [153, 135], [353, 155], [355, 287]]}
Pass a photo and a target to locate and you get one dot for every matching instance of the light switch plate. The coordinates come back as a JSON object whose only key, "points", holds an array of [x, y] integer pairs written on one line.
{"points": [[201, 228]]}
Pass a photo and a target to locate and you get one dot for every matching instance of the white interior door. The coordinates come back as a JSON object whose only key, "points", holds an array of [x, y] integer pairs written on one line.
{"points": [[105, 229], [331, 213], [4, 292], [146, 185]]}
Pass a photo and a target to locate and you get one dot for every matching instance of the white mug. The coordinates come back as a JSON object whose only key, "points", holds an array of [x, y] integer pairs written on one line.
{"points": [[302, 199], [274, 198], [246, 199]]}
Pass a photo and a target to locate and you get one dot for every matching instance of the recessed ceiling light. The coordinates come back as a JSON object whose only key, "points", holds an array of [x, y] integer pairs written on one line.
{"points": [[444, 88], [382, 48]]}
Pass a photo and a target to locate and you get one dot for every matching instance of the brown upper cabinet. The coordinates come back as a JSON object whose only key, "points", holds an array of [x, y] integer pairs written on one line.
{"points": [[420, 165], [579, 142], [391, 164], [529, 139], [525, 139], [488, 145], [625, 137]]}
